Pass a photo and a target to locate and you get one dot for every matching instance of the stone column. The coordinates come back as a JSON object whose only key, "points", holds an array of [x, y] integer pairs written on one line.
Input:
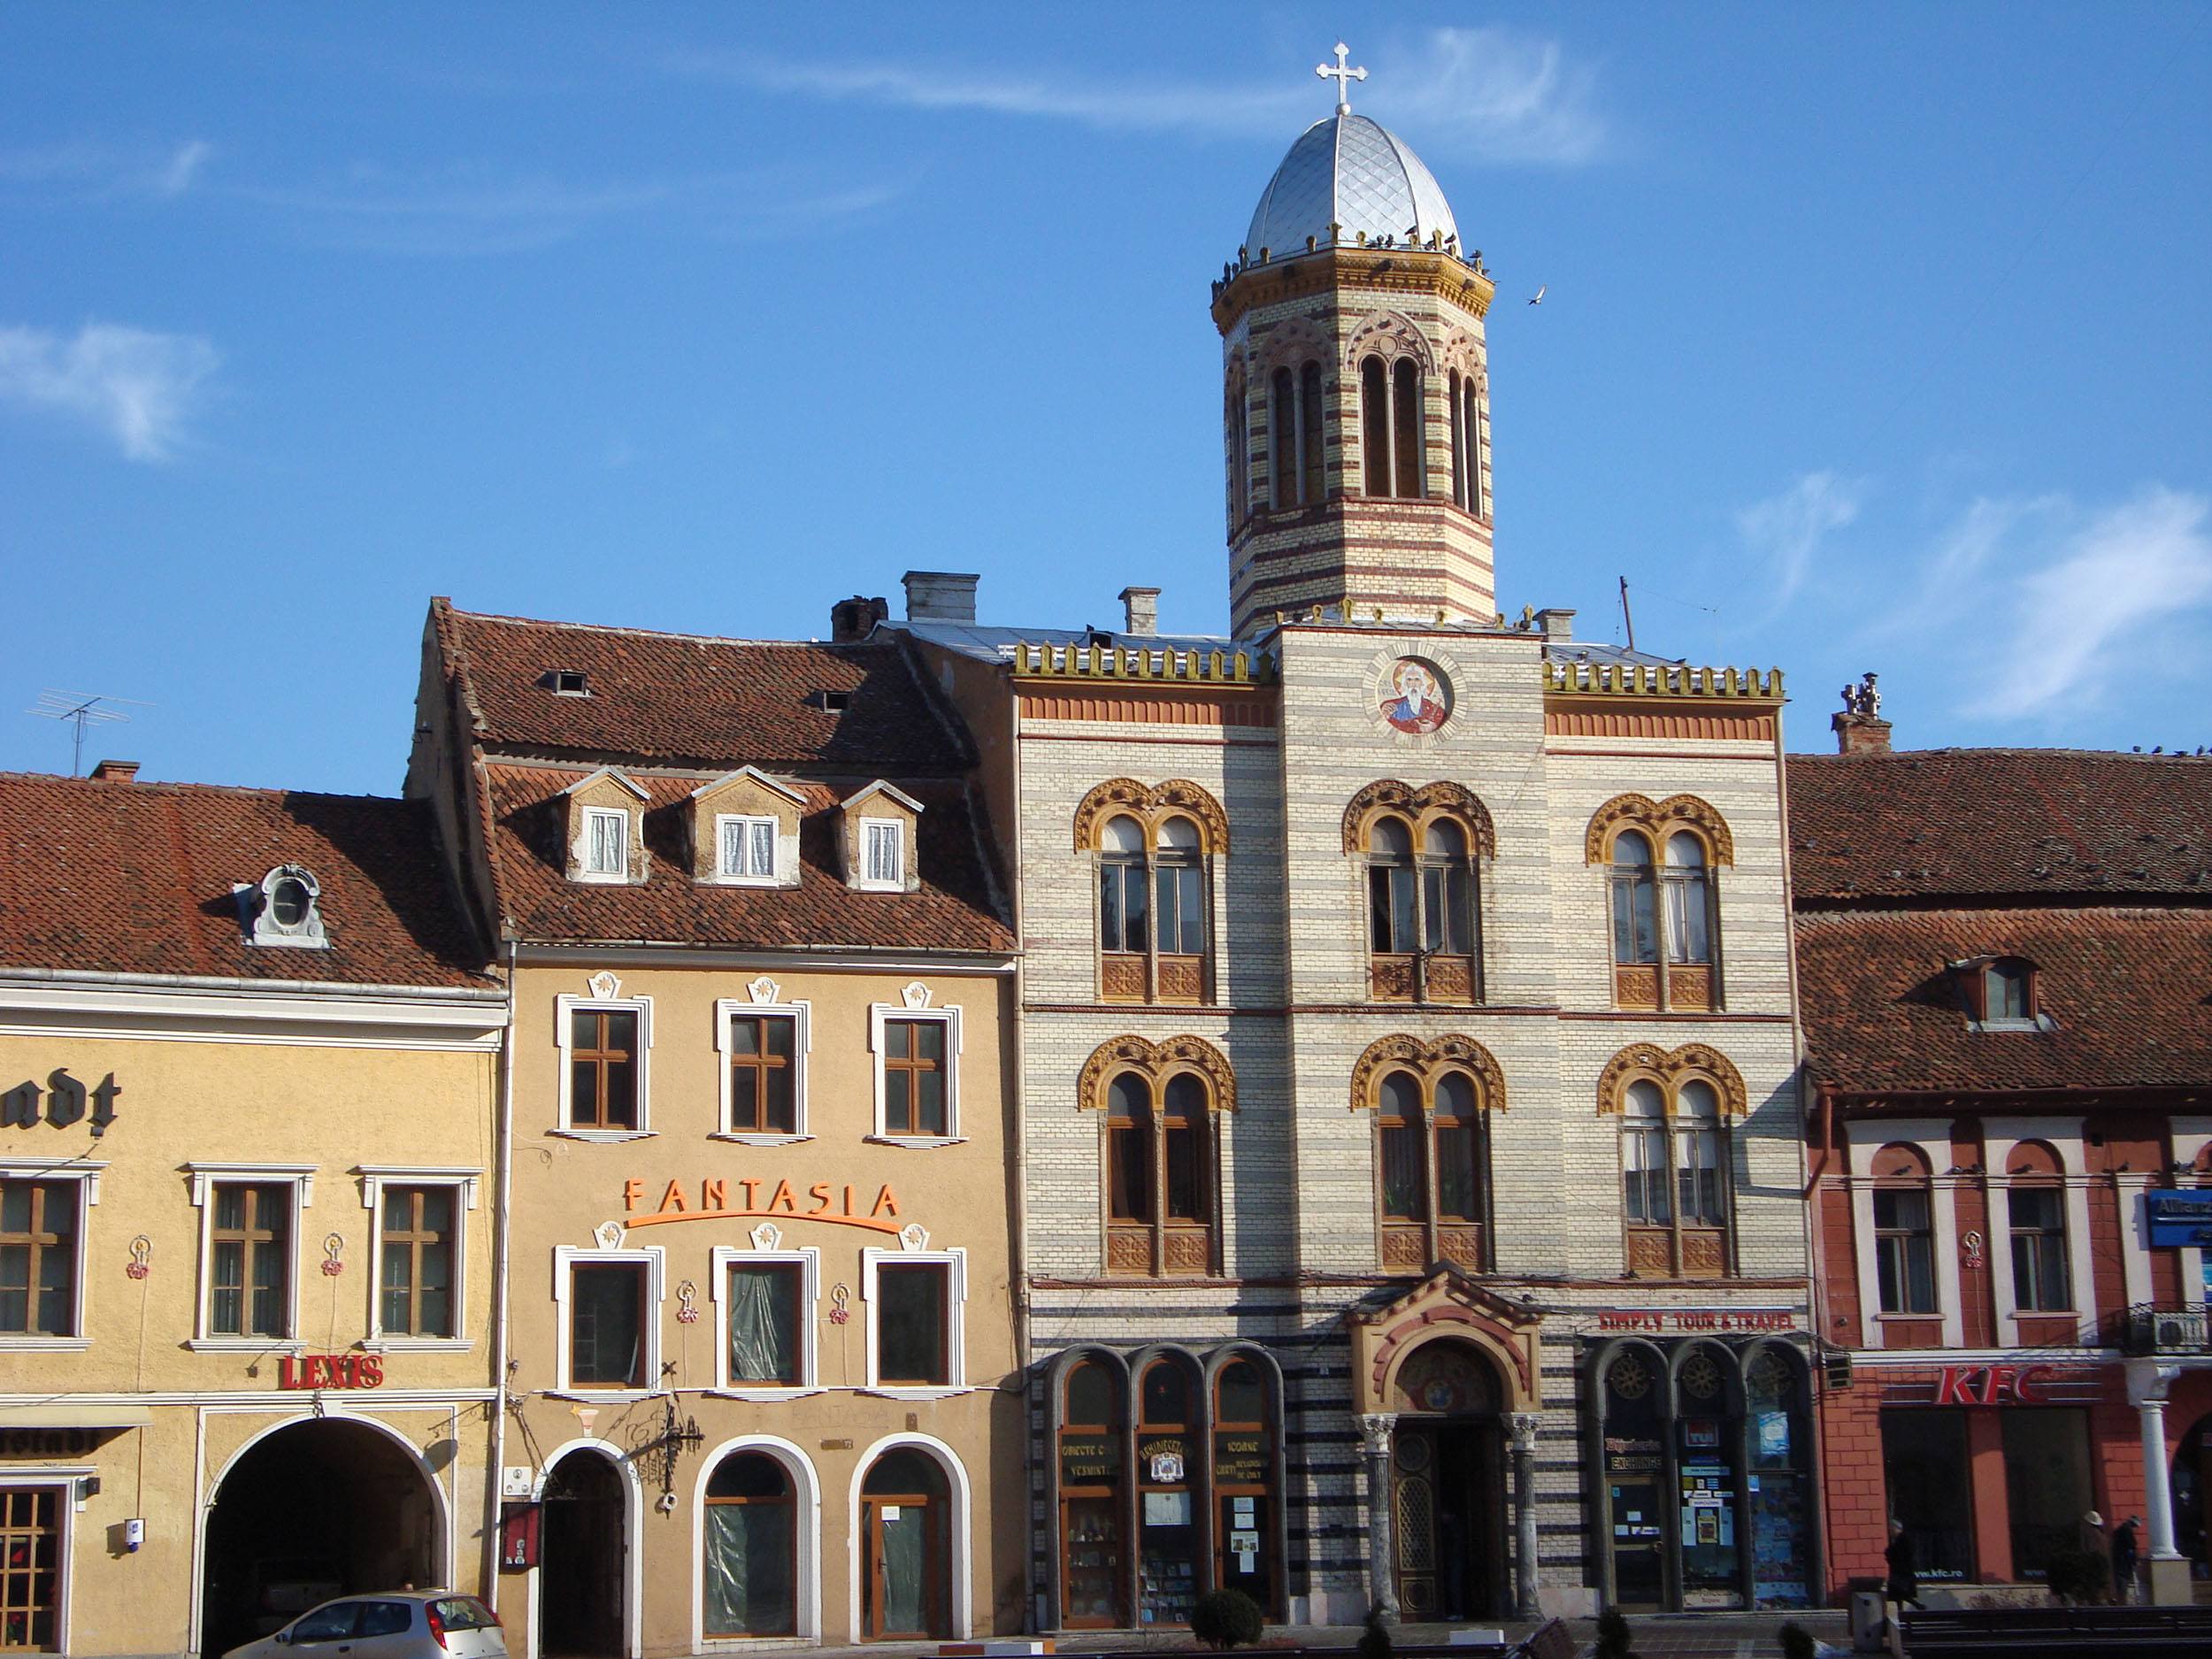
{"points": [[1523, 1426], [1375, 1431], [2148, 1382]]}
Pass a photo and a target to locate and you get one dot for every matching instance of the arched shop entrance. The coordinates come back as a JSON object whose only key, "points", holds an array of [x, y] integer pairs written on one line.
{"points": [[1447, 1486], [1703, 1464], [315, 1510], [583, 1558]]}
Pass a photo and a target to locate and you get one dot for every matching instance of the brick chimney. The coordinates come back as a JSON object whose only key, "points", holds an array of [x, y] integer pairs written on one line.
{"points": [[940, 597], [1140, 611], [1859, 726], [856, 619], [115, 771], [1557, 625]]}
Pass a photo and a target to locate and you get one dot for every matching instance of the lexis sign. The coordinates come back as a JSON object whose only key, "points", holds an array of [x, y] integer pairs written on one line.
{"points": [[1991, 1385]]}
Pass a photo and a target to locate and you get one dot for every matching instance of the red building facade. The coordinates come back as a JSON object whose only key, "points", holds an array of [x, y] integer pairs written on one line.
{"points": [[2005, 962]]}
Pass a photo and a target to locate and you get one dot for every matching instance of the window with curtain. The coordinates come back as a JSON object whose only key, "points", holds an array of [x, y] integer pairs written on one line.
{"points": [[1635, 933], [1688, 940], [606, 1325], [1182, 889], [1697, 1154], [1677, 1203], [1159, 1170], [1644, 1172], [415, 1254], [767, 1349], [751, 1543], [748, 848], [606, 841], [1123, 910], [1904, 1249], [1153, 927], [1664, 899], [1374, 408], [2037, 1216], [38, 1258], [1405, 378], [913, 1324], [885, 852]]}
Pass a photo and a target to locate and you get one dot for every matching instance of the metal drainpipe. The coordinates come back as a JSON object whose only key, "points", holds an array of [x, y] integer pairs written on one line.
{"points": [[504, 1164]]}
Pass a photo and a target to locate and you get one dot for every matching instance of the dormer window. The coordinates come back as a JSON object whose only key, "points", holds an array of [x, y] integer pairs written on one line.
{"points": [[885, 859], [748, 848], [836, 702], [568, 682], [280, 909], [2000, 994], [606, 844]]}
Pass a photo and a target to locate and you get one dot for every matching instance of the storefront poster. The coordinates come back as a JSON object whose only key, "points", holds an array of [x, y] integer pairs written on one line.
{"points": [[1773, 1436]]}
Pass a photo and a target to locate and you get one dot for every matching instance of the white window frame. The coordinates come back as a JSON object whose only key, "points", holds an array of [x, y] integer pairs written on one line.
{"points": [[567, 1258], [86, 1175], [723, 1257], [205, 1179], [584, 872], [565, 1008], [2062, 1135], [895, 828], [752, 821], [801, 1016], [948, 1016], [374, 1178], [956, 1261], [1932, 1137]]}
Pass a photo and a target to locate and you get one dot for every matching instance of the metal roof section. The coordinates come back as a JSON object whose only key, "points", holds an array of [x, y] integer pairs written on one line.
{"points": [[1353, 174]]}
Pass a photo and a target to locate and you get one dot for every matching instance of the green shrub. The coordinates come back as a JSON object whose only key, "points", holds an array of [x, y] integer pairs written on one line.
{"points": [[1797, 1641], [1374, 1642], [1225, 1618]]}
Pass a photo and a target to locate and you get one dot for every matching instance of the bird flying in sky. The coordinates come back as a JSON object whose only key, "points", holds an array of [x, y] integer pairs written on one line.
{"points": [[1538, 298]]}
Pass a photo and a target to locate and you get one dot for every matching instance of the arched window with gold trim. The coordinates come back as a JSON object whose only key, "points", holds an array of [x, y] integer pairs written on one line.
{"points": [[1423, 850], [1154, 846], [1160, 1157], [1676, 1112], [1430, 1102], [1660, 861]]}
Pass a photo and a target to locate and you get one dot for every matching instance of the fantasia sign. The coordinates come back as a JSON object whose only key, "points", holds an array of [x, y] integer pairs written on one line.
{"points": [[817, 1202]]}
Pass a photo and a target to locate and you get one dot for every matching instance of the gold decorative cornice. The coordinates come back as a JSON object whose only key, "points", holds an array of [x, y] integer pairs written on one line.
{"points": [[1156, 1060], [1428, 1058], [1658, 820], [1450, 799], [1168, 664], [1150, 803], [1670, 1071], [1661, 679], [1372, 270]]}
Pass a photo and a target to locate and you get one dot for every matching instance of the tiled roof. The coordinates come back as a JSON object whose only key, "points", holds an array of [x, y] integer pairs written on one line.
{"points": [[1934, 824], [678, 698], [136, 878], [955, 909], [2128, 993]]}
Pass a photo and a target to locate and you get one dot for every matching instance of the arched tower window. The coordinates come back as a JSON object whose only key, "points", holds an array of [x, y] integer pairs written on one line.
{"points": [[1282, 440], [1313, 470], [1240, 427], [1160, 1154], [1375, 424], [1471, 418], [1405, 397]]}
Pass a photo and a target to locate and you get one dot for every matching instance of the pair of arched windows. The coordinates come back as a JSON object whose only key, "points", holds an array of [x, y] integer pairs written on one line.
{"points": [[1466, 442], [1423, 850], [1660, 864], [1153, 844], [1160, 1157], [1432, 1171], [1390, 426], [1676, 1192], [1296, 425]]}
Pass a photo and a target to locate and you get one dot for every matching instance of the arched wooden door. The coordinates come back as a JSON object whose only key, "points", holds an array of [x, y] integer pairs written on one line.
{"points": [[905, 1532]]}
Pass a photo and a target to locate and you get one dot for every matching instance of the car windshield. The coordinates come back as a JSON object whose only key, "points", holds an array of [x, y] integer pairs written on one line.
{"points": [[463, 1612], [334, 1622]]}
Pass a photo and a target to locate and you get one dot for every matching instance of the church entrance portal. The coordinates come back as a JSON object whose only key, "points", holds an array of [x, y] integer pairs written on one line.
{"points": [[582, 1559], [311, 1511], [1451, 1535]]}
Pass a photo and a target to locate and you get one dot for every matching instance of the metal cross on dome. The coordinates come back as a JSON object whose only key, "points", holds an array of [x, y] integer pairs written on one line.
{"points": [[1342, 76]]}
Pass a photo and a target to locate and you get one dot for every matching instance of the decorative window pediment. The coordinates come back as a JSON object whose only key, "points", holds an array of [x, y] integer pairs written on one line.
{"points": [[876, 839], [283, 908], [606, 828]]}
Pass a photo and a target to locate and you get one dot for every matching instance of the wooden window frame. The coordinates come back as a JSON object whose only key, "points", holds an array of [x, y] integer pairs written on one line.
{"points": [[794, 1501], [206, 1180], [880, 1014], [58, 1488], [1152, 966], [1674, 982], [2037, 1238], [801, 1014], [1269, 1490], [564, 1011], [1157, 1224], [1894, 1244], [652, 1294], [464, 1182], [1424, 973], [953, 1264], [1638, 1238], [807, 1263], [1117, 1435], [84, 1177], [1428, 1228]]}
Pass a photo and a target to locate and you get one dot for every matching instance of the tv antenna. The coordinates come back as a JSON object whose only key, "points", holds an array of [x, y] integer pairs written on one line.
{"points": [[82, 708]]}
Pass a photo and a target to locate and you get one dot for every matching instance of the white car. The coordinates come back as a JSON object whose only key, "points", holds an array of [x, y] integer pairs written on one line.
{"points": [[391, 1625]]}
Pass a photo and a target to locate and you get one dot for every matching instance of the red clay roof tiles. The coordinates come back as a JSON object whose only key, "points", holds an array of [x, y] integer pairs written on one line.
{"points": [[137, 878]]}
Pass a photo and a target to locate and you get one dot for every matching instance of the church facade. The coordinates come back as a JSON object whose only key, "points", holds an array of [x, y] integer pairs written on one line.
{"points": [[1412, 1165]]}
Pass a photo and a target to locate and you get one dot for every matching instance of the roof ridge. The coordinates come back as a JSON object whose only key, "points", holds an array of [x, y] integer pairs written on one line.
{"points": [[656, 633], [138, 788]]}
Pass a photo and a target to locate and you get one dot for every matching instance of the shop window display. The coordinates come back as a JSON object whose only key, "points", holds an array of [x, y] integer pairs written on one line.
{"points": [[1925, 1473], [1168, 1555]]}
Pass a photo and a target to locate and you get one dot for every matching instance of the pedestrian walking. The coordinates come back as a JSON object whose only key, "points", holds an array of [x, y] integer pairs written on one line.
{"points": [[2125, 1554], [1904, 1578]]}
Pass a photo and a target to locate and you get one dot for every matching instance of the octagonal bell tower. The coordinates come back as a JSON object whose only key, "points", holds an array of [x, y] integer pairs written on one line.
{"points": [[1357, 390]]}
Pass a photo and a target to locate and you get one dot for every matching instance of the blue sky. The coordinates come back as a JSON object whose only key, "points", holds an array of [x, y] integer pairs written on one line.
{"points": [[1873, 337]]}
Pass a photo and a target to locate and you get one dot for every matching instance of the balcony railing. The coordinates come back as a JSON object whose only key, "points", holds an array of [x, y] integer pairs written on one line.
{"points": [[2152, 1329]]}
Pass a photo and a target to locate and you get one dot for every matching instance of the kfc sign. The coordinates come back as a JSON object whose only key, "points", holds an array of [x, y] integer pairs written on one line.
{"points": [[1991, 1385]]}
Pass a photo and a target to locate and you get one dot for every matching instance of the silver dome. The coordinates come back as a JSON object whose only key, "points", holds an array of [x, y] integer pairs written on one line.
{"points": [[1347, 170]]}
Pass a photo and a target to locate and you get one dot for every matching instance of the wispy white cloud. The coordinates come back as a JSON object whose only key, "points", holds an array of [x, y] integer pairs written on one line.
{"points": [[104, 171], [2086, 597], [139, 388], [1784, 531], [1485, 93]]}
